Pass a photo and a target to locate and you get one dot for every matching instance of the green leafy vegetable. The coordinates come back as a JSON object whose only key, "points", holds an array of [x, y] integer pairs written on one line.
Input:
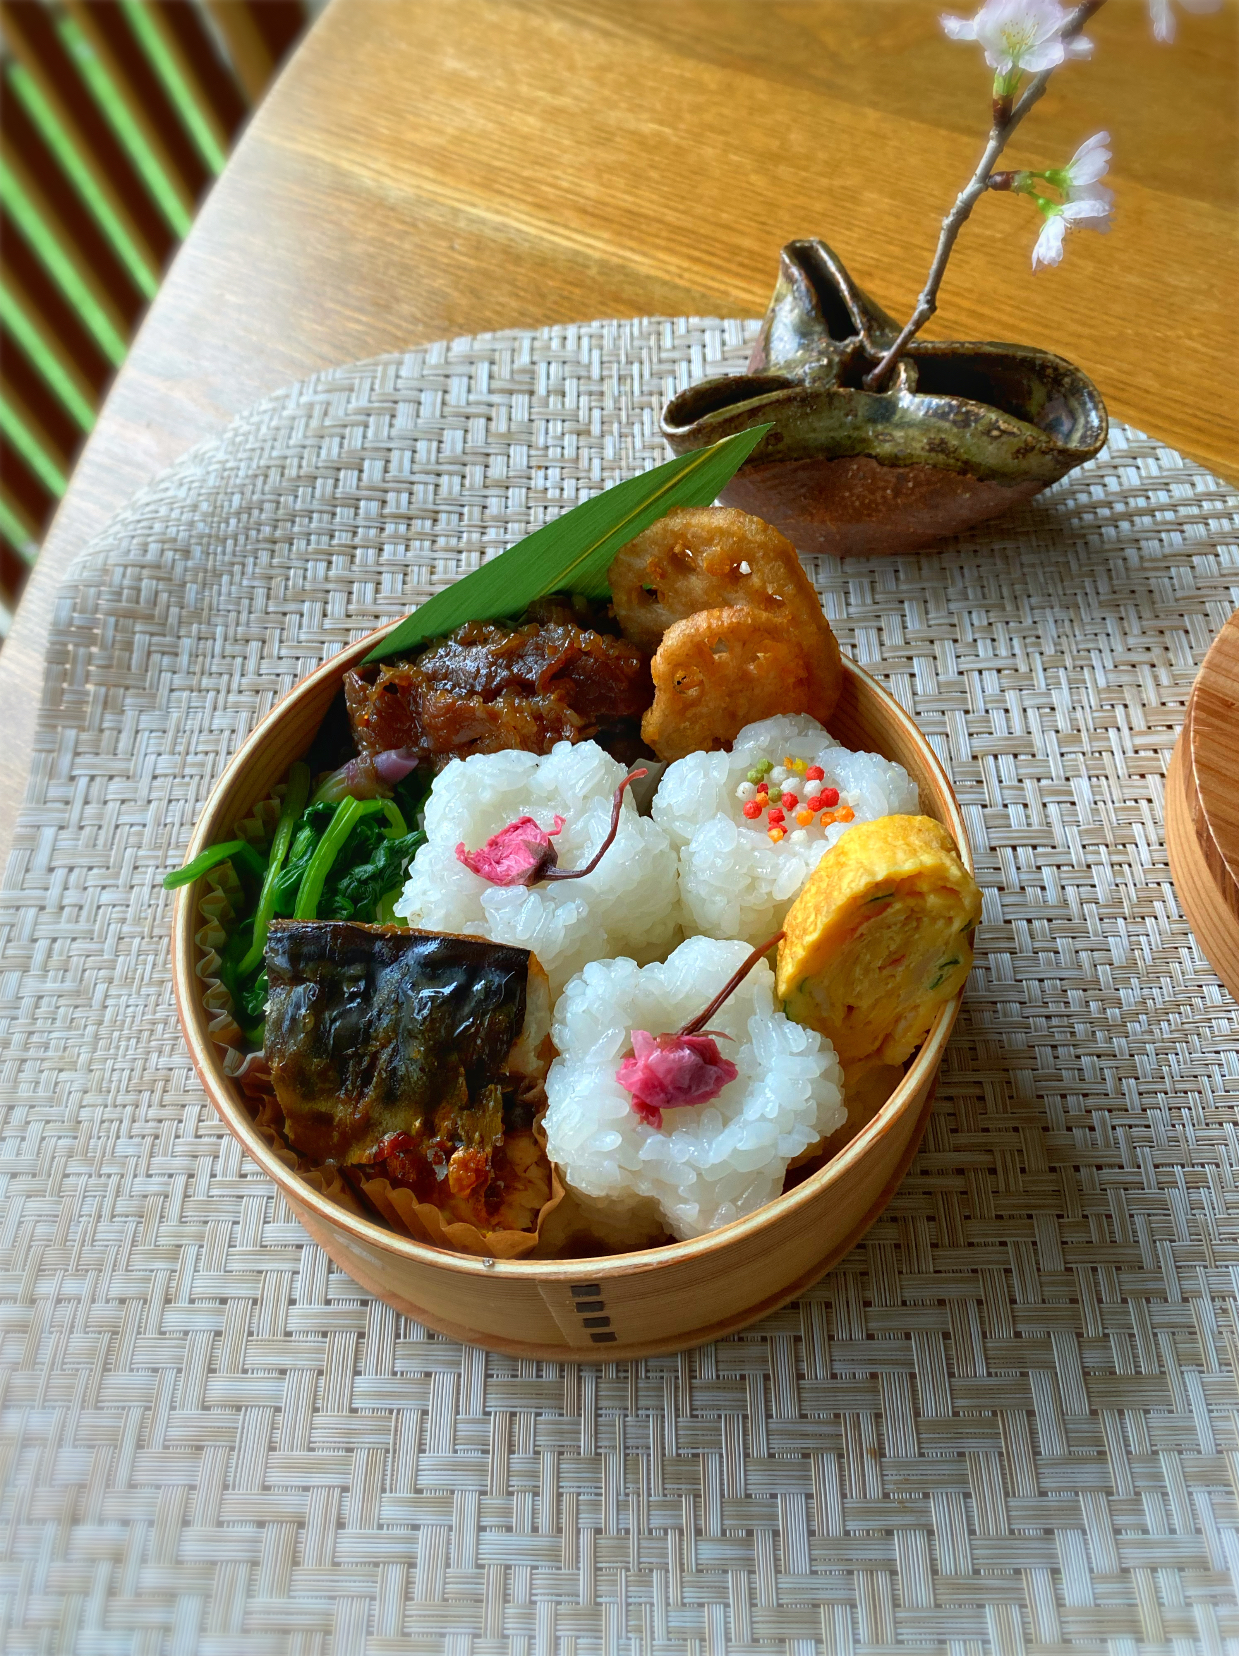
{"points": [[239, 852], [347, 814], [339, 862], [371, 868], [249, 1000], [310, 830], [573, 553], [411, 794], [399, 827], [294, 803], [387, 915]]}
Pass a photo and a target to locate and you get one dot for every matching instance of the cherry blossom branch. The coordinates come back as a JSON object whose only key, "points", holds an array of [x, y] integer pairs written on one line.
{"points": [[730, 987], [550, 872], [1006, 118]]}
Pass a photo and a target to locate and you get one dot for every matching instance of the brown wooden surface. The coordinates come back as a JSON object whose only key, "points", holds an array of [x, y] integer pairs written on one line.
{"points": [[1202, 807], [423, 169], [1205, 900], [1213, 756]]}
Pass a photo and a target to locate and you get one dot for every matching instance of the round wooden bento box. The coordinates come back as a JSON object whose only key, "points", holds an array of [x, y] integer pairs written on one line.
{"points": [[628, 1305]]}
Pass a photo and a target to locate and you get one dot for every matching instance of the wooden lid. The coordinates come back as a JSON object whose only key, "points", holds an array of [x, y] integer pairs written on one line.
{"points": [[1202, 807]]}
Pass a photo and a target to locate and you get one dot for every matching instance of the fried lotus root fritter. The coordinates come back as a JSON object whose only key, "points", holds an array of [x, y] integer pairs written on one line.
{"points": [[879, 938], [715, 557], [720, 670]]}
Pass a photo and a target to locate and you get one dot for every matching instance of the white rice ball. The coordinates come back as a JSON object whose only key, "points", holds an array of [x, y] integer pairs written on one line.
{"points": [[629, 904], [708, 1164], [734, 880]]}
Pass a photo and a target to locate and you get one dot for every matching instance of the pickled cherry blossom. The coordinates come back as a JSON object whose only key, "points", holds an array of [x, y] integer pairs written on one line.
{"points": [[522, 853], [669, 1072], [519, 854]]}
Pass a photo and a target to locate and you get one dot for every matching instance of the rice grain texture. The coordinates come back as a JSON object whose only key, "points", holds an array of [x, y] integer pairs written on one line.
{"points": [[628, 905], [734, 881], [708, 1164]]}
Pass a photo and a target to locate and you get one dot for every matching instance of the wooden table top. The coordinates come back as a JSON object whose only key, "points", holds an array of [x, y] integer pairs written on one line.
{"points": [[422, 170]]}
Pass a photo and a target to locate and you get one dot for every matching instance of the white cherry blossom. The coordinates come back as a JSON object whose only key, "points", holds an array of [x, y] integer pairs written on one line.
{"points": [[1020, 34], [1162, 14], [1088, 165], [1089, 213]]}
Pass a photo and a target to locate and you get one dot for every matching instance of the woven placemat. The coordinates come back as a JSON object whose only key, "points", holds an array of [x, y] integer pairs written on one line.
{"points": [[1005, 1424]]}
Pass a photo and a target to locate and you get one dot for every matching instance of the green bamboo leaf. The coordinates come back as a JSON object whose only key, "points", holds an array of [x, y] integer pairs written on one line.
{"points": [[573, 553]]}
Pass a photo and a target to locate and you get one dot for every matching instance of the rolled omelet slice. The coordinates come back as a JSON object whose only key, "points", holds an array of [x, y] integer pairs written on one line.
{"points": [[879, 938]]}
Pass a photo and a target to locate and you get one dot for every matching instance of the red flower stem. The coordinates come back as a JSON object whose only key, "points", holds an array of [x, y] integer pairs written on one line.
{"points": [[616, 806], [730, 987]]}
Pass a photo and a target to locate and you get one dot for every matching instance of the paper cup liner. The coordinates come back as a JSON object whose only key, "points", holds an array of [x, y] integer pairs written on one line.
{"points": [[425, 1222], [217, 909], [400, 1208], [347, 1187]]}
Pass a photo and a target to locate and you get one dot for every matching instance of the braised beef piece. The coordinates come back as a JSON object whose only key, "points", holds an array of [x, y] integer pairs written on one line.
{"points": [[562, 673], [386, 1042]]}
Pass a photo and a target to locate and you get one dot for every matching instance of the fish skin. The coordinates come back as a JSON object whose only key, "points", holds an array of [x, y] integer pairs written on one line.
{"points": [[373, 1030]]}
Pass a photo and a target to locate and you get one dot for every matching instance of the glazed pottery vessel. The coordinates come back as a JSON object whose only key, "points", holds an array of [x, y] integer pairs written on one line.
{"points": [[960, 433]]}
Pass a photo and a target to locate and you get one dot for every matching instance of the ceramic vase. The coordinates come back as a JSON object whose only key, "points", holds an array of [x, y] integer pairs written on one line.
{"points": [[960, 432]]}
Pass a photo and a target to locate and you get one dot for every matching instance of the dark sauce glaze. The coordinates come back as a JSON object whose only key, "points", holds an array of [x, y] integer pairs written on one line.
{"points": [[379, 1038], [560, 674]]}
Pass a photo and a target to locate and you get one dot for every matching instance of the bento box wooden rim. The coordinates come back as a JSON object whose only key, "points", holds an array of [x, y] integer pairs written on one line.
{"points": [[626, 1350], [222, 1093]]}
